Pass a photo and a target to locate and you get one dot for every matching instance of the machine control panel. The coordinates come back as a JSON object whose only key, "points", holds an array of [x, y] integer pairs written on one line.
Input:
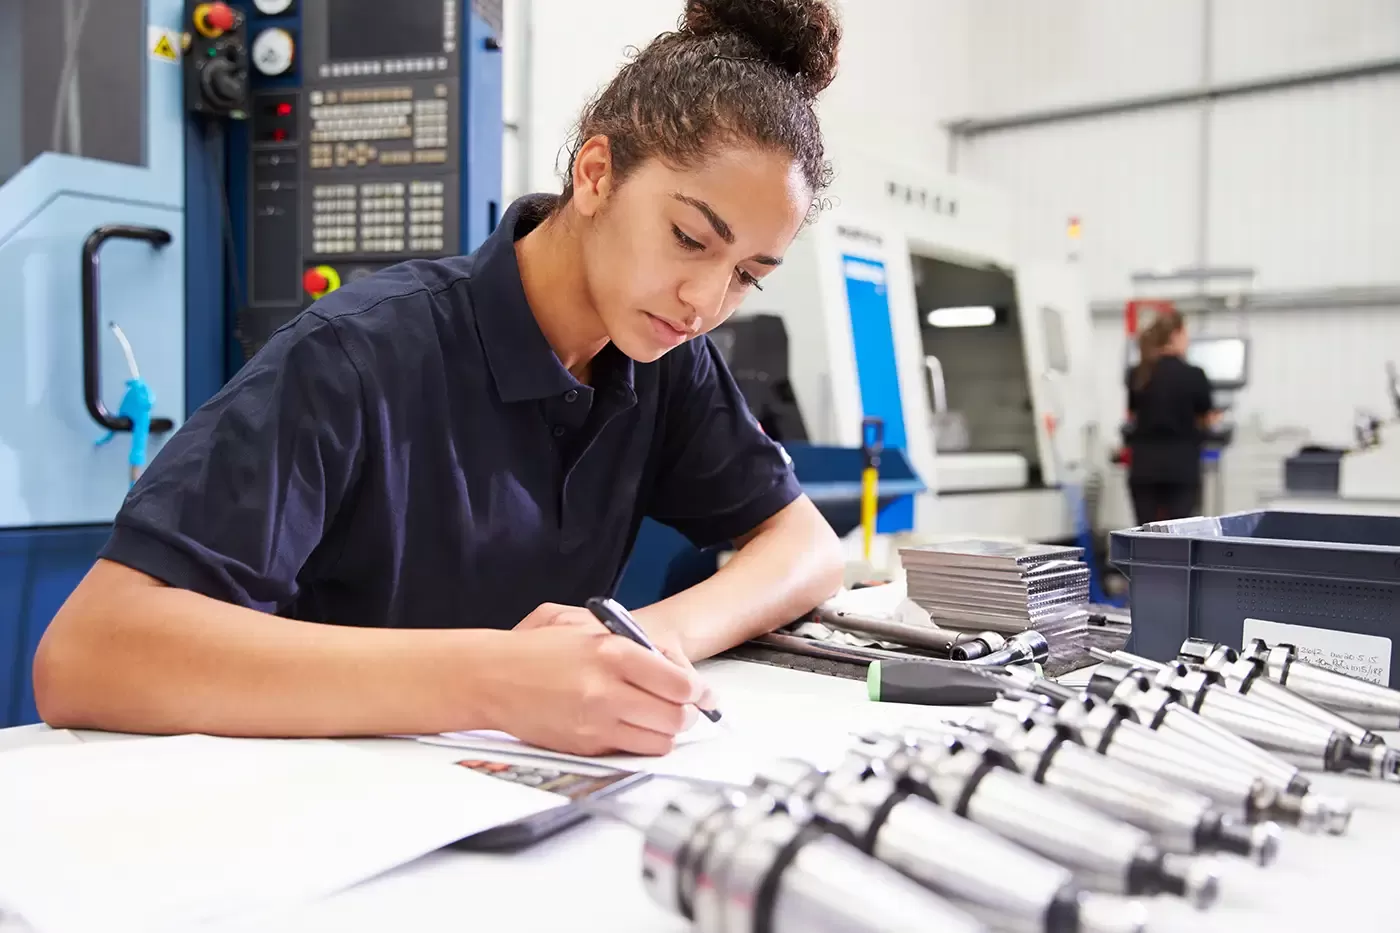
{"points": [[356, 142]]}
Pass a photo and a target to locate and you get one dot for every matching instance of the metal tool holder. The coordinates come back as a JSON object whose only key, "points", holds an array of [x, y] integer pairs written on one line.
{"points": [[1051, 810]]}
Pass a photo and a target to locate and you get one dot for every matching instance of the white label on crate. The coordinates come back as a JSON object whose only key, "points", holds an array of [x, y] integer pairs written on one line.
{"points": [[1363, 656]]}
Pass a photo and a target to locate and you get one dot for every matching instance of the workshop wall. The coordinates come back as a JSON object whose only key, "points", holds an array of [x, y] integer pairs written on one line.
{"points": [[903, 65], [1298, 184]]}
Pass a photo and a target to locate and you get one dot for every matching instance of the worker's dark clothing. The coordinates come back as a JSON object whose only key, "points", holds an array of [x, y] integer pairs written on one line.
{"points": [[1165, 440], [410, 452]]}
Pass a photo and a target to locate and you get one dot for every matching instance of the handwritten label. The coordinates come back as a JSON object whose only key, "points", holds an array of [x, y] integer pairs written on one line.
{"points": [[1363, 656]]}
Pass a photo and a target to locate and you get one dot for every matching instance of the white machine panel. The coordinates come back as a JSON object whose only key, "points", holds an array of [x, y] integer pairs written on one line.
{"points": [[879, 215]]}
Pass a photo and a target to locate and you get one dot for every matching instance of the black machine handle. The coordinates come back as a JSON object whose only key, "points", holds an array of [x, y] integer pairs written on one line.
{"points": [[872, 440], [92, 353]]}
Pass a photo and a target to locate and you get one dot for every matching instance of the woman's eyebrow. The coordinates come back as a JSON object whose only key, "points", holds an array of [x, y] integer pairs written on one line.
{"points": [[717, 222], [726, 233]]}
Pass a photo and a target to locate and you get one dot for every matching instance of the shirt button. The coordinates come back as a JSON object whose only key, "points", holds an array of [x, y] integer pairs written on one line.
{"points": [[560, 430], [571, 395]]}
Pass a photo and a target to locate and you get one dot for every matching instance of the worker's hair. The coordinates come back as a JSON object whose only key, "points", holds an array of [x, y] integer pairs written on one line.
{"points": [[735, 71], [1151, 343]]}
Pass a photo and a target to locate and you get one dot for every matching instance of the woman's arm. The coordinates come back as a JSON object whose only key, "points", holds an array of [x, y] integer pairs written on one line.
{"points": [[127, 653], [785, 567]]}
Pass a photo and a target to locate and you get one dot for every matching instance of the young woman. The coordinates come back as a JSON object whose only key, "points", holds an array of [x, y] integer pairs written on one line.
{"points": [[388, 520], [1169, 406]]}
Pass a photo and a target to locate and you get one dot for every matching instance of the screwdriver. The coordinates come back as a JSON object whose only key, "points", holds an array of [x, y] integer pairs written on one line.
{"points": [[933, 682], [951, 683]]}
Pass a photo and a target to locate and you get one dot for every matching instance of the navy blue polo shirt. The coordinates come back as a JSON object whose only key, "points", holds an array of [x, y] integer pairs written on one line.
{"points": [[409, 452]]}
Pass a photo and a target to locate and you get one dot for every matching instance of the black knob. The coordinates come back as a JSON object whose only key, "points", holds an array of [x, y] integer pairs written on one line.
{"points": [[223, 83]]}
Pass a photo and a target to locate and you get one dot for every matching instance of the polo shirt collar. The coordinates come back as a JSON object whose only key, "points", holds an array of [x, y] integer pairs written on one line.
{"points": [[522, 363]]}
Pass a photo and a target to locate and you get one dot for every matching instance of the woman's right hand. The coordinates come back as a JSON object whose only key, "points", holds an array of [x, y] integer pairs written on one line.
{"points": [[585, 691]]}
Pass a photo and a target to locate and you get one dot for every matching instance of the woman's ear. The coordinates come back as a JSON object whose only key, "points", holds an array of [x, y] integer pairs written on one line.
{"points": [[592, 176]]}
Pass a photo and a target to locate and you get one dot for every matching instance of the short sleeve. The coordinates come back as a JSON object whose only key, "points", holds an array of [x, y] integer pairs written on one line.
{"points": [[719, 476], [236, 501]]}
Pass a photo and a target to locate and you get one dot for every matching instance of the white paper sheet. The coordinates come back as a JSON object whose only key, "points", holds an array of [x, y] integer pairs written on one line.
{"points": [[728, 754], [164, 834]]}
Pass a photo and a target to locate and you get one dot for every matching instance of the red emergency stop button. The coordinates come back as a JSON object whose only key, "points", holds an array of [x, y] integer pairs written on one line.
{"points": [[213, 19], [320, 280]]}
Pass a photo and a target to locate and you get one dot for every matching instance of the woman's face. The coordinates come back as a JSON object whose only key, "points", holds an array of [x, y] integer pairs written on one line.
{"points": [[670, 254]]}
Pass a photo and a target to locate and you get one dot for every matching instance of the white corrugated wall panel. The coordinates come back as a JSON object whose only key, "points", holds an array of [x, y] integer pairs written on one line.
{"points": [[1305, 185], [1260, 38], [1314, 368], [1031, 55], [903, 67], [1132, 182]]}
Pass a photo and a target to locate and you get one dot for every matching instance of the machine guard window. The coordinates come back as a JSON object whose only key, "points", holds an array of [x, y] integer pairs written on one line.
{"points": [[72, 80]]}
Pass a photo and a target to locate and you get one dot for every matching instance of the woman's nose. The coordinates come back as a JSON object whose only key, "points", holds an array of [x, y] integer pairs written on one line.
{"points": [[704, 295]]}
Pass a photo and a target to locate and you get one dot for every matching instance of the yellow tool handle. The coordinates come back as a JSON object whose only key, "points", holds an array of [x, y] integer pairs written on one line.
{"points": [[869, 498]]}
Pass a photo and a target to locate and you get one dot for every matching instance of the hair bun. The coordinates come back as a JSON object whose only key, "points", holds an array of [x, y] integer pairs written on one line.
{"points": [[800, 36]]}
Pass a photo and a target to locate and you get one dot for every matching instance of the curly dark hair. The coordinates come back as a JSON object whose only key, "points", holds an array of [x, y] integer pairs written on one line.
{"points": [[735, 71]]}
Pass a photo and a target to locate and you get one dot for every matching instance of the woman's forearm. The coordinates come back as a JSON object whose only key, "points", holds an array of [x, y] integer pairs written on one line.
{"points": [[127, 654], [789, 565]]}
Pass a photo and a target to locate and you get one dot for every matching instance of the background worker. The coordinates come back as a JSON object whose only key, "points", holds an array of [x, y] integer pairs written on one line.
{"points": [[388, 521], [1170, 407]]}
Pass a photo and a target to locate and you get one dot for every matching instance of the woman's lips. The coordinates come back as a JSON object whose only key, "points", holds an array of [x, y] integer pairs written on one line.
{"points": [[668, 333]]}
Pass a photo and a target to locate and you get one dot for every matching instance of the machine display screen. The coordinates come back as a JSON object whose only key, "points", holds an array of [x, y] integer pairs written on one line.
{"points": [[382, 29], [1224, 360]]}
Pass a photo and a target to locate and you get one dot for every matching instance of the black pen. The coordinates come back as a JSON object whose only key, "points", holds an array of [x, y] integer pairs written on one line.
{"points": [[619, 621]]}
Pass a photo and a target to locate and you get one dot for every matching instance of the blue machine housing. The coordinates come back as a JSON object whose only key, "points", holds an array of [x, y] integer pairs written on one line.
{"points": [[664, 562]]}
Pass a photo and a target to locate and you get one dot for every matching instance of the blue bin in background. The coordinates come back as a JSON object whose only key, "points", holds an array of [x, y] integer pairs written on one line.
{"points": [[1202, 577]]}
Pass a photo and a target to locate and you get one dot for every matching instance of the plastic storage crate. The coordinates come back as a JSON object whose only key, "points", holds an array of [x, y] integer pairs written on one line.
{"points": [[1203, 577]]}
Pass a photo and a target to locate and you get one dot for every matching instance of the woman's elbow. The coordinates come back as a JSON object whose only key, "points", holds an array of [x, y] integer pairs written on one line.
{"points": [[66, 680], [58, 677]]}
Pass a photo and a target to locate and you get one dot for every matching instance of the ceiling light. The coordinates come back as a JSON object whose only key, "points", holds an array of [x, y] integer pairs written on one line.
{"points": [[975, 316]]}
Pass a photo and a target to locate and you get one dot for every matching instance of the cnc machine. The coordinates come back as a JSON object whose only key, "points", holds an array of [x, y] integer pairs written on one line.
{"points": [[906, 302]]}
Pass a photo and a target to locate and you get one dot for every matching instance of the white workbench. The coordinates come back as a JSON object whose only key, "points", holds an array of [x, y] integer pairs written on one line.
{"points": [[588, 879]]}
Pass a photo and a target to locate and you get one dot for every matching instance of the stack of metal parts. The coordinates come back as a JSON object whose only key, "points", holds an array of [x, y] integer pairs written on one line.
{"points": [[1003, 587], [994, 585], [1051, 810]]}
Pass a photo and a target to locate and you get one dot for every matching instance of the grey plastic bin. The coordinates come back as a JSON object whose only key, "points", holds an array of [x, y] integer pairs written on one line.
{"points": [[1202, 577]]}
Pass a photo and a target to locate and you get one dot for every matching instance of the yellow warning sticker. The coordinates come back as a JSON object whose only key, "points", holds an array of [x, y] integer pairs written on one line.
{"points": [[164, 44]]}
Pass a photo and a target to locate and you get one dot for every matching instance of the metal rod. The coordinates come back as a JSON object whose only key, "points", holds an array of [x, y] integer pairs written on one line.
{"points": [[1369, 296], [974, 127]]}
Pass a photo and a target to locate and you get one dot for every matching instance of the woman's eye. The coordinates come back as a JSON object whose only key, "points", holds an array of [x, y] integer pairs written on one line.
{"points": [[748, 279], [686, 242]]}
